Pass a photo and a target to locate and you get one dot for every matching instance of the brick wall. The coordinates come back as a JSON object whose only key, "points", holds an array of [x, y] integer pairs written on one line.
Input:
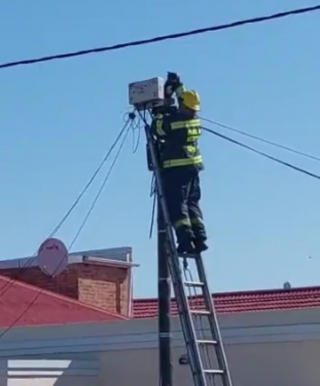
{"points": [[98, 285], [106, 288]]}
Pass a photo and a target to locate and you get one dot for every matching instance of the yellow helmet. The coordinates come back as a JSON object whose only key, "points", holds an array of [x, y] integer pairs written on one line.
{"points": [[191, 99]]}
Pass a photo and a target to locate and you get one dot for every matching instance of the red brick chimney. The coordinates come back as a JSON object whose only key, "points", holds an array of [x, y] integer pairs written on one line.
{"points": [[101, 278]]}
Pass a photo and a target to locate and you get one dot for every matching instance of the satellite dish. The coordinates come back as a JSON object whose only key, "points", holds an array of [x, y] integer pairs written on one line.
{"points": [[52, 257]]}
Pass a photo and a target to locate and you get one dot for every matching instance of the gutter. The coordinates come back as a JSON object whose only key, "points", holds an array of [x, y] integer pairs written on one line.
{"points": [[107, 262]]}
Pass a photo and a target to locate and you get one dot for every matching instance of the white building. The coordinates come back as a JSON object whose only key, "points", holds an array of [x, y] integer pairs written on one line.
{"points": [[271, 337]]}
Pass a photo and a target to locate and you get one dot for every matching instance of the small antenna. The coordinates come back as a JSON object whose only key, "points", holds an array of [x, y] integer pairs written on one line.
{"points": [[287, 285]]}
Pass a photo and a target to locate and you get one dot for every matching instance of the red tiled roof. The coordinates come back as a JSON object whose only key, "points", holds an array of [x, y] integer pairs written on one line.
{"points": [[25, 305], [242, 301]]}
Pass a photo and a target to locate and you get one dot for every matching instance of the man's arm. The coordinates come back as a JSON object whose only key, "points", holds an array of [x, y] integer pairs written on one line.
{"points": [[179, 90], [160, 127], [175, 86]]}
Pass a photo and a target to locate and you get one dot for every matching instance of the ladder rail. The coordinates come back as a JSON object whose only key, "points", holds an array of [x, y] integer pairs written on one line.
{"points": [[198, 316], [214, 324], [174, 267], [187, 314]]}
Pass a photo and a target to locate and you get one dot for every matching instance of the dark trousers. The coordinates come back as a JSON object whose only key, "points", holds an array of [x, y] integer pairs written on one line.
{"points": [[183, 193]]}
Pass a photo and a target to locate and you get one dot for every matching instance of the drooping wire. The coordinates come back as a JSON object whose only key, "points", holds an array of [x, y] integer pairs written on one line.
{"points": [[76, 236], [153, 195], [100, 190], [261, 139], [91, 180], [153, 189], [296, 168], [136, 127], [234, 24], [29, 262]]}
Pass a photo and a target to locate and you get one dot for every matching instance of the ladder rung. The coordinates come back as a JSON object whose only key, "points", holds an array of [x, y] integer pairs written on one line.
{"points": [[193, 283], [207, 341], [213, 372], [200, 312], [188, 256]]}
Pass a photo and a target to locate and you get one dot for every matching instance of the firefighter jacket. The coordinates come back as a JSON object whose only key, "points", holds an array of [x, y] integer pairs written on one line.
{"points": [[179, 134]]}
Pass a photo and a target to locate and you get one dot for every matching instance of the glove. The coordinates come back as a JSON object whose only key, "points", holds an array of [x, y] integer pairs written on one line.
{"points": [[172, 83], [173, 79], [173, 76]]}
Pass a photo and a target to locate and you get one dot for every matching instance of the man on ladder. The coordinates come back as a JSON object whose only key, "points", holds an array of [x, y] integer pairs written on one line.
{"points": [[177, 131]]}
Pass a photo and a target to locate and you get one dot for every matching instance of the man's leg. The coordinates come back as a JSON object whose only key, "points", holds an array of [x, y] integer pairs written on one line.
{"points": [[176, 186], [195, 214]]}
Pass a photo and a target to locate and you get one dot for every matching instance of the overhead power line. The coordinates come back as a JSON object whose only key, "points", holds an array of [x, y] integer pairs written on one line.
{"points": [[101, 188], [40, 291], [157, 39], [91, 180], [262, 139], [126, 126], [296, 168]]}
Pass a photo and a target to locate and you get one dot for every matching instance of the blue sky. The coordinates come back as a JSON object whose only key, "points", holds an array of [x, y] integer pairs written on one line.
{"points": [[57, 120]]}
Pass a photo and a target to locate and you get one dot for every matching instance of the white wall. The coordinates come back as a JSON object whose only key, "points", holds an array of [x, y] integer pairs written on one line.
{"points": [[264, 348], [275, 364]]}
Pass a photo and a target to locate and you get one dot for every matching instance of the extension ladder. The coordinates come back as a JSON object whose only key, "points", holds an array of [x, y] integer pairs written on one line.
{"points": [[206, 354]]}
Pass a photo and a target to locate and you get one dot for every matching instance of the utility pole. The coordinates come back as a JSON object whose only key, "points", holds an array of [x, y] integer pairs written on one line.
{"points": [[165, 366]]}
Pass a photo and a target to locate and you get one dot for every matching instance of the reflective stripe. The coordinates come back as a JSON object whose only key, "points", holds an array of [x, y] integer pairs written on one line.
{"points": [[193, 135], [186, 151], [192, 123], [182, 222], [191, 149], [182, 162], [159, 128], [197, 221], [193, 128], [196, 131]]}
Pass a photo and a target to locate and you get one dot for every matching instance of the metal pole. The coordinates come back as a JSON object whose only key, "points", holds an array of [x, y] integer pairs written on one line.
{"points": [[165, 366]]}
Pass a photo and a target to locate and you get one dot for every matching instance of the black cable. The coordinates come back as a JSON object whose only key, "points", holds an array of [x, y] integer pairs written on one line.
{"points": [[100, 190], [29, 306], [89, 183], [262, 139], [163, 37], [262, 153], [135, 143], [68, 213], [153, 194]]}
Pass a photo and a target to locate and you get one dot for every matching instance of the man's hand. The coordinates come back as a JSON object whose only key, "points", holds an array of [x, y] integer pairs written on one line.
{"points": [[172, 83], [173, 79], [173, 76]]}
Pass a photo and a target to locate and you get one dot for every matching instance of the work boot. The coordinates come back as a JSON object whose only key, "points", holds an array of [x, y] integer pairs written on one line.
{"points": [[186, 247], [200, 245]]}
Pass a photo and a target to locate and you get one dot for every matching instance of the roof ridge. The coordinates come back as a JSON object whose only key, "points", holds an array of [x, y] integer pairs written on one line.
{"points": [[243, 292], [59, 296], [242, 301]]}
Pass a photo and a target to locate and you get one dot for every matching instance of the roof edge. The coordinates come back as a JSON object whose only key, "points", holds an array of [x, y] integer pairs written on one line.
{"points": [[121, 257], [109, 262]]}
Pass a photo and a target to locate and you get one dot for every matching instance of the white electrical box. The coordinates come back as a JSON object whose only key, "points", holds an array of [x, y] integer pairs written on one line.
{"points": [[147, 93]]}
